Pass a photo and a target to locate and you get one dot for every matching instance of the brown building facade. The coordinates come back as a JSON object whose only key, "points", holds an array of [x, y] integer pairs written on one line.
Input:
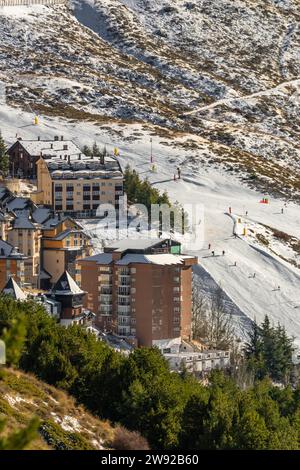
{"points": [[11, 264], [24, 154], [142, 293]]}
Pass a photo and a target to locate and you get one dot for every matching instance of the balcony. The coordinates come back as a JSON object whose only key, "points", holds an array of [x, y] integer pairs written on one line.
{"points": [[124, 280], [106, 309], [124, 272], [105, 291], [105, 279], [124, 291], [124, 322], [124, 310], [123, 301], [105, 299]]}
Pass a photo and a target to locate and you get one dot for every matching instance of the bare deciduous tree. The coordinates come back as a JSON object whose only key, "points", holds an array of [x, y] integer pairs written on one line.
{"points": [[211, 322]]}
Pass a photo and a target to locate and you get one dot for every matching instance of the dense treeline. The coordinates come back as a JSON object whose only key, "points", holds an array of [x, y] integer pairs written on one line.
{"points": [[140, 191], [269, 352], [171, 411]]}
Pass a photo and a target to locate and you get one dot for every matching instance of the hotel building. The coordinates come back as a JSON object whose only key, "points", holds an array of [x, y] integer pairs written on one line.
{"points": [[140, 290]]}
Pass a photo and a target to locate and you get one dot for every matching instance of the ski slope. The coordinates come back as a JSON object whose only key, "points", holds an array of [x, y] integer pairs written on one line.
{"points": [[217, 190]]}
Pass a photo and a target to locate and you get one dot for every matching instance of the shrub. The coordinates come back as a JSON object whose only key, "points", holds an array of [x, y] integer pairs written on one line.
{"points": [[128, 440]]}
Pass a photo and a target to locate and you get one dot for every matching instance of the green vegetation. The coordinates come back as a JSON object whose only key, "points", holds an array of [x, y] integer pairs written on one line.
{"points": [[4, 158], [18, 440], [142, 192], [172, 411], [269, 352]]}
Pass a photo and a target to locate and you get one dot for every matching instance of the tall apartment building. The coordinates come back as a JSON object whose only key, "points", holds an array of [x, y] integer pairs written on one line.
{"points": [[11, 264], [78, 185], [140, 289]]}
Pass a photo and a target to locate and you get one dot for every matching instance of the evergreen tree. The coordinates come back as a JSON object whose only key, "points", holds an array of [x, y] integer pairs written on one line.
{"points": [[87, 151], [4, 158]]}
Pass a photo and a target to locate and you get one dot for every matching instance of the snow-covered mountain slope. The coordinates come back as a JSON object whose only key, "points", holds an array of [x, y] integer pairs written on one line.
{"points": [[218, 98], [224, 72], [273, 265]]}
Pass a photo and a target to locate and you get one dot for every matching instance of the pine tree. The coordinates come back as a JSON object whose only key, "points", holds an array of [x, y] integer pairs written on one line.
{"points": [[87, 151], [4, 158]]}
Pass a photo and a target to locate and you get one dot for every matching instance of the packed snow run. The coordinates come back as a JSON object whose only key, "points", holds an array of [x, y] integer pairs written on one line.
{"points": [[257, 278]]}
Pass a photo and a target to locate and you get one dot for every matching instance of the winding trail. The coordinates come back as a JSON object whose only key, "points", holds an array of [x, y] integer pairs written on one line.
{"points": [[268, 92]]}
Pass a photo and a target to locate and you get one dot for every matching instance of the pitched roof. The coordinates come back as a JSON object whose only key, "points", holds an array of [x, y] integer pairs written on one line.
{"points": [[66, 286], [14, 290], [53, 148], [19, 203], [100, 258], [8, 251], [67, 232], [41, 214], [23, 222]]}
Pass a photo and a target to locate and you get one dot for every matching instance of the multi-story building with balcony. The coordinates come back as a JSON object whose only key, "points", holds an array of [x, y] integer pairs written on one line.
{"points": [[140, 290], [78, 185]]}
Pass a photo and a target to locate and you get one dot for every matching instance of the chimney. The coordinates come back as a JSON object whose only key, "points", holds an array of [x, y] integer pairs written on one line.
{"points": [[62, 137], [56, 138], [39, 138], [65, 147], [51, 146], [69, 159]]}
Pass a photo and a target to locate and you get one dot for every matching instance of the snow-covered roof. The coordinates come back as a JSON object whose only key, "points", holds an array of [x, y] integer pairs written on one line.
{"points": [[67, 232], [53, 148], [136, 244], [66, 286], [73, 167], [163, 259], [14, 290]]}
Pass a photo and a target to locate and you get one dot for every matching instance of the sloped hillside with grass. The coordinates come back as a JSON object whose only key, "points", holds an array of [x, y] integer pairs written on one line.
{"points": [[63, 425]]}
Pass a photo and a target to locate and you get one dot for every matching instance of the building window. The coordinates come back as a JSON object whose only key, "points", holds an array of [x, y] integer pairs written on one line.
{"points": [[70, 207]]}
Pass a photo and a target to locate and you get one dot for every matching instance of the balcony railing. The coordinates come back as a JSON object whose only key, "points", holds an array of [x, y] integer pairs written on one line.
{"points": [[124, 310], [106, 310]]}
